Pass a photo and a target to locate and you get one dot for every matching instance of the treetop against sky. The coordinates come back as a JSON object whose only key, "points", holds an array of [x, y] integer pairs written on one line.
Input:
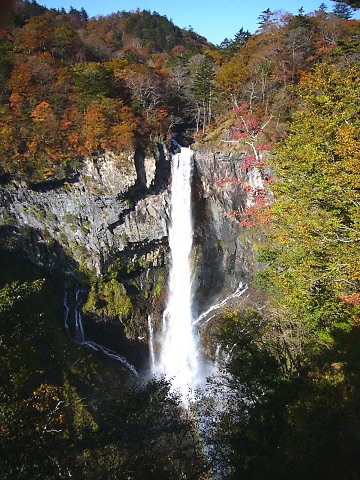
{"points": [[213, 19]]}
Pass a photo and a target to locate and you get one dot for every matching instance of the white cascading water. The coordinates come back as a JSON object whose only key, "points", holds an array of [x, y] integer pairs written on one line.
{"points": [[79, 332], [241, 289], [179, 358], [79, 329], [67, 310], [151, 343]]}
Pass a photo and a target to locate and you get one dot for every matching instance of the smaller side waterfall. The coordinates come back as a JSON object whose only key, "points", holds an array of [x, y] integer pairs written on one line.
{"points": [[79, 329], [238, 292], [67, 309], [79, 332], [110, 353]]}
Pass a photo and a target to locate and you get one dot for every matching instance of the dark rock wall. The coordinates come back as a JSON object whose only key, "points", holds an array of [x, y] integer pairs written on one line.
{"points": [[111, 206], [224, 256], [116, 213]]}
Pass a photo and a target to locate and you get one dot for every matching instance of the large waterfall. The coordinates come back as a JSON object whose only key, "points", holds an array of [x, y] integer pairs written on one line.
{"points": [[179, 358]]}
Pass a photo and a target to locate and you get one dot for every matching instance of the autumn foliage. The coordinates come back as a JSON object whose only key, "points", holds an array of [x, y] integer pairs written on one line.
{"points": [[74, 87]]}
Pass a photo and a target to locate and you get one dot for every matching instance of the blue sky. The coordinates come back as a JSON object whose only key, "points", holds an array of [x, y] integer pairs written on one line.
{"points": [[214, 19]]}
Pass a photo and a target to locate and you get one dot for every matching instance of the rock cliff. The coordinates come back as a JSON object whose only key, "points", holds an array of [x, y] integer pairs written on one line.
{"points": [[224, 254], [114, 204], [114, 215]]}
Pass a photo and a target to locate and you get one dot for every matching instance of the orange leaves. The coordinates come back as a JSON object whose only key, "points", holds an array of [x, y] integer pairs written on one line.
{"points": [[45, 397], [46, 124], [36, 35], [109, 126], [20, 78], [16, 100], [41, 112], [351, 300], [94, 128]]}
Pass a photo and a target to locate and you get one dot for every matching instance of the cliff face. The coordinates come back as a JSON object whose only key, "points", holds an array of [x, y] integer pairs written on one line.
{"points": [[114, 204], [224, 256], [116, 214]]}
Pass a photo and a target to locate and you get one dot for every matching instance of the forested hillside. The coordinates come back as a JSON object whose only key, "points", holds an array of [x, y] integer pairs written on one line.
{"points": [[74, 87], [294, 369], [285, 99]]}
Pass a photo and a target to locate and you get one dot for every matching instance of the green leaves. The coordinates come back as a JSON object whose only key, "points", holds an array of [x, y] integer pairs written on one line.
{"points": [[17, 292]]}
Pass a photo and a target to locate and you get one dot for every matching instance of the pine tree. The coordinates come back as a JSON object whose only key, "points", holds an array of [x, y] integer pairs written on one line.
{"points": [[265, 17], [202, 90], [342, 10]]}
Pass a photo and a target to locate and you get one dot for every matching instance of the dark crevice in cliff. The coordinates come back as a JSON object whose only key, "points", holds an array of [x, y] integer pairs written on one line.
{"points": [[162, 173], [139, 191], [132, 196], [111, 227], [33, 246], [56, 183], [140, 249]]}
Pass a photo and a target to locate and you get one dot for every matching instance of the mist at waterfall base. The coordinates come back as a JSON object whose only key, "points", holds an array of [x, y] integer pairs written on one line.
{"points": [[180, 357]]}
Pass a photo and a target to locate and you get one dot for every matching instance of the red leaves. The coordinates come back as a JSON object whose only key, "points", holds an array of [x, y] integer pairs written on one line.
{"points": [[248, 127], [256, 215], [250, 162], [351, 300], [234, 181], [266, 146], [241, 109]]}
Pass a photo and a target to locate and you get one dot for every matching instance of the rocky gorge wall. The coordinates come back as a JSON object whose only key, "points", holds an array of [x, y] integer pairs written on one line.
{"points": [[115, 215], [225, 256], [111, 205]]}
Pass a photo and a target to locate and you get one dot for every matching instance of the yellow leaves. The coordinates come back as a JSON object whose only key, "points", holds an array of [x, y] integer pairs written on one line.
{"points": [[81, 418], [347, 143], [122, 137], [41, 112], [45, 397], [231, 77], [6, 137], [316, 214], [48, 172]]}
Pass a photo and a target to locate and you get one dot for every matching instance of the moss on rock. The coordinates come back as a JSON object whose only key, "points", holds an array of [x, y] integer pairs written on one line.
{"points": [[108, 299]]}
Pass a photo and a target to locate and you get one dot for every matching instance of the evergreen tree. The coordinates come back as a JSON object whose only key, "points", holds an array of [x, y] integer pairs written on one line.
{"points": [[265, 18], [202, 90], [352, 3], [342, 10]]}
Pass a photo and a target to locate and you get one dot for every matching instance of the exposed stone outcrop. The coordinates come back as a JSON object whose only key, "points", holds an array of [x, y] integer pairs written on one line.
{"points": [[224, 256], [116, 213], [93, 218]]}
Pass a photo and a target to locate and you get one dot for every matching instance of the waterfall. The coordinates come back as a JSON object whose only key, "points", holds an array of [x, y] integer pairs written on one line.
{"points": [[241, 289], [110, 353], [179, 356], [66, 310], [151, 342], [79, 329]]}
